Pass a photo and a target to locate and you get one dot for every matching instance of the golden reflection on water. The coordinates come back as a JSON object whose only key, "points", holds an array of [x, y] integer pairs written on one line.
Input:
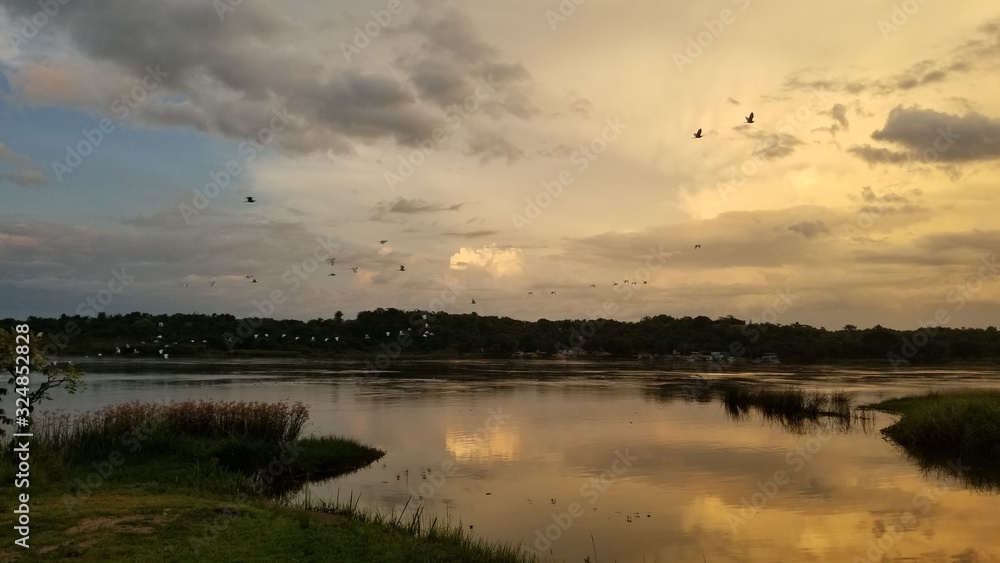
{"points": [[699, 489], [482, 444]]}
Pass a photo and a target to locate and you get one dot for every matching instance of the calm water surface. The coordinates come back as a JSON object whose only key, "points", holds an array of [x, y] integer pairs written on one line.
{"points": [[569, 458]]}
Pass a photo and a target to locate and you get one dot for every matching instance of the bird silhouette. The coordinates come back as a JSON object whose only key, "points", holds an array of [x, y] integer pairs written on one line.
{"points": [[614, 283], [552, 293], [402, 268], [531, 293], [643, 282], [212, 283], [331, 260], [698, 134], [254, 281], [383, 241], [250, 200], [697, 246], [248, 277], [750, 118], [473, 301], [354, 269], [593, 285], [332, 274]]}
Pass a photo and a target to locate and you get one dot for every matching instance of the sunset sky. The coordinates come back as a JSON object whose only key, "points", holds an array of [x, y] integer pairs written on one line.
{"points": [[502, 148]]}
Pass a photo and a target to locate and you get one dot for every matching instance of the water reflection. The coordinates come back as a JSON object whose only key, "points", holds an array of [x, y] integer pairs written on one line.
{"points": [[699, 486]]}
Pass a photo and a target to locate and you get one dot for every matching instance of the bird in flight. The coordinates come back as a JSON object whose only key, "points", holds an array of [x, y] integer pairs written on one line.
{"points": [[698, 134], [593, 285], [212, 283], [354, 269], [248, 277], [643, 282], [402, 268], [383, 241], [254, 281], [332, 274], [473, 301], [697, 246], [531, 293], [331, 260], [750, 118], [250, 200], [614, 283], [553, 293]]}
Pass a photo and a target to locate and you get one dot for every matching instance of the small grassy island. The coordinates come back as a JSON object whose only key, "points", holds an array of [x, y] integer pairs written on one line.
{"points": [[205, 481], [957, 432]]}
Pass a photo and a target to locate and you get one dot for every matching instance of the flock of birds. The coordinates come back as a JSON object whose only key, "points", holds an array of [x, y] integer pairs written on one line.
{"points": [[402, 268]]}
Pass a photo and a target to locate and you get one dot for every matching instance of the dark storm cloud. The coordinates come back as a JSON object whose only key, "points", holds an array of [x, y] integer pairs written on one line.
{"points": [[810, 229], [933, 136], [228, 75], [453, 64]]}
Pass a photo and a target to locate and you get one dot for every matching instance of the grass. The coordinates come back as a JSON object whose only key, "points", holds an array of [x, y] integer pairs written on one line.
{"points": [[944, 430], [739, 399], [201, 481]]}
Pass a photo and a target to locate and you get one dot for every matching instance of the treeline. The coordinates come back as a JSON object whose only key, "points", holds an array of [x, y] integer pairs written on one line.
{"points": [[393, 331]]}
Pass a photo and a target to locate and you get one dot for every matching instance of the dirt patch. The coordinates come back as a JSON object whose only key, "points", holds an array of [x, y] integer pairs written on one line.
{"points": [[137, 524]]}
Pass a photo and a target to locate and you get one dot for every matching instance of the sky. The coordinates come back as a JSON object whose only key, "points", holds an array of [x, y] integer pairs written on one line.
{"points": [[500, 149]]}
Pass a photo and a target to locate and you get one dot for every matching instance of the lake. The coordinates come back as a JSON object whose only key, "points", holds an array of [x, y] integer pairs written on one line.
{"points": [[611, 461]]}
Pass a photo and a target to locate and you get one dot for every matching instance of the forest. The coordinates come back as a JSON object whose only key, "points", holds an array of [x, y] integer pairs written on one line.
{"points": [[395, 332]]}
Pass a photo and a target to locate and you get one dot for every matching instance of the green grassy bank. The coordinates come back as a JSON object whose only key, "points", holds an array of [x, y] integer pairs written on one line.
{"points": [[204, 481], [949, 430]]}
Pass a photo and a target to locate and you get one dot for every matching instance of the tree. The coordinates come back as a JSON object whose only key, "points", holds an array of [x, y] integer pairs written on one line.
{"points": [[55, 376]]}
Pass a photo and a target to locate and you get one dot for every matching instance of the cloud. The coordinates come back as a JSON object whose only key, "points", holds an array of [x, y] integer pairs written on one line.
{"points": [[839, 114], [810, 229], [951, 138], [878, 155], [491, 258], [19, 169], [473, 234], [226, 76], [772, 146], [412, 206], [490, 144]]}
